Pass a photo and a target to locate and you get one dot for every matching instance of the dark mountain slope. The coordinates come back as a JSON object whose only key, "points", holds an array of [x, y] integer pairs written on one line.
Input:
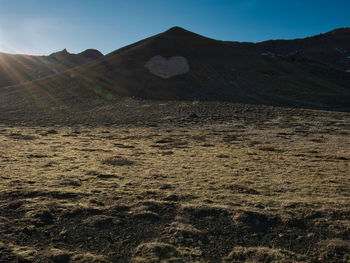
{"points": [[218, 71], [332, 48], [17, 69], [181, 65]]}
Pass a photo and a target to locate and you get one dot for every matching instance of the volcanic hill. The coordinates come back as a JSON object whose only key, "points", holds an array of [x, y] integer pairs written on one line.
{"points": [[181, 65]]}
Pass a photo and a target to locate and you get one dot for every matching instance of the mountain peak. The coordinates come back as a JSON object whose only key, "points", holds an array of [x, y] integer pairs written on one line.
{"points": [[178, 31], [91, 54], [64, 52]]}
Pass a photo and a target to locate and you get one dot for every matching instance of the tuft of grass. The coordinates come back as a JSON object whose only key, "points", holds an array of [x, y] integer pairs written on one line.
{"points": [[117, 161], [24, 254], [19, 136], [155, 252], [238, 188], [269, 149], [88, 258], [262, 254]]}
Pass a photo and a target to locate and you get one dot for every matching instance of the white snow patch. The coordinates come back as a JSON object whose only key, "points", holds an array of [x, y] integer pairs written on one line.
{"points": [[167, 68], [344, 51], [268, 53]]}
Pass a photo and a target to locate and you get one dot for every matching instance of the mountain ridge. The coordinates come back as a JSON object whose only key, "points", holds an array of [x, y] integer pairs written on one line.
{"points": [[181, 65], [19, 68]]}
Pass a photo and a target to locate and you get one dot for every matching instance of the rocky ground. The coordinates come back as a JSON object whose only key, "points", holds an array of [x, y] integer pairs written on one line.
{"points": [[144, 181]]}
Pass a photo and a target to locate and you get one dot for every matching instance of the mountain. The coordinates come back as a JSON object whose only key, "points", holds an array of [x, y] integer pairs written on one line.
{"points": [[332, 48], [17, 69], [181, 65]]}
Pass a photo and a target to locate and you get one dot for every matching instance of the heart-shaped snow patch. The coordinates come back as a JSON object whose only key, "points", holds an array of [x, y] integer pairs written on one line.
{"points": [[167, 68]]}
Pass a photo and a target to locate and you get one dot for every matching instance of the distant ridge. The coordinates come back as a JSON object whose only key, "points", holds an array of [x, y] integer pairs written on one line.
{"points": [[331, 48], [91, 54], [16, 69]]}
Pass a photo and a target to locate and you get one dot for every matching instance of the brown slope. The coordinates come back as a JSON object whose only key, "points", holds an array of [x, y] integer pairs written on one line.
{"points": [[16, 69]]}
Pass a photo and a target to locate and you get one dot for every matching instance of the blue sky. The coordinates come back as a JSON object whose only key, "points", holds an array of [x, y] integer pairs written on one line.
{"points": [[41, 27]]}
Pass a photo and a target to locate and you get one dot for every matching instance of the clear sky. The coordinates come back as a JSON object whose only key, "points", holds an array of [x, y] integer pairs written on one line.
{"points": [[44, 26]]}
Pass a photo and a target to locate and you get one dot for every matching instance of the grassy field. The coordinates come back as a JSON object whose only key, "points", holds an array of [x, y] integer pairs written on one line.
{"points": [[263, 189]]}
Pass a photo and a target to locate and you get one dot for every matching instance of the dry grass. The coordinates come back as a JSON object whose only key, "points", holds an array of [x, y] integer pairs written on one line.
{"points": [[117, 161], [198, 193]]}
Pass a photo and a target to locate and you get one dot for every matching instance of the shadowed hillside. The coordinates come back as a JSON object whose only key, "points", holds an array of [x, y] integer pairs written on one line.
{"points": [[220, 71], [17, 69], [331, 48], [181, 65]]}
